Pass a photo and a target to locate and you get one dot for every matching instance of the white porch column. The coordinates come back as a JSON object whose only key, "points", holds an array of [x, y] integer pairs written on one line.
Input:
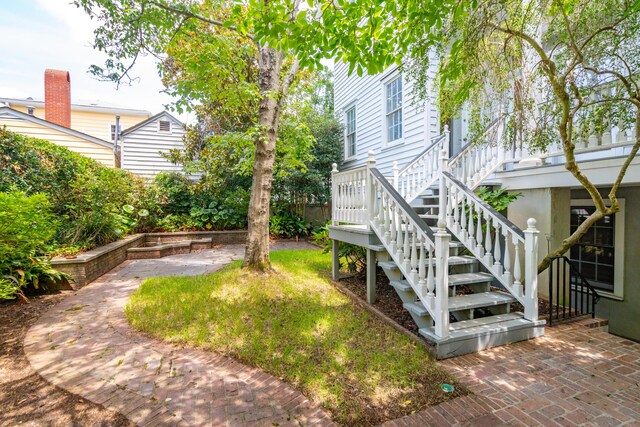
{"points": [[442, 196], [531, 270], [334, 194]]}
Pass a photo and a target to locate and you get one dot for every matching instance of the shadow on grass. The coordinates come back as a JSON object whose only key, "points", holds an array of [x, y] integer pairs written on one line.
{"points": [[295, 325]]}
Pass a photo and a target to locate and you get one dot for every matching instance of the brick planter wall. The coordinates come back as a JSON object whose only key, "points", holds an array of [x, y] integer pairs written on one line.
{"points": [[92, 264]]}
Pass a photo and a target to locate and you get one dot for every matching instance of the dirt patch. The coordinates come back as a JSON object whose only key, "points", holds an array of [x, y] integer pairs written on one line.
{"points": [[25, 397], [388, 300]]}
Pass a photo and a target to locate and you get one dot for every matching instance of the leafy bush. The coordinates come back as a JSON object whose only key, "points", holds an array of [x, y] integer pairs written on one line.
{"points": [[353, 258], [27, 227], [499, 199], [85, 196], [288, 225], [194, 206]]}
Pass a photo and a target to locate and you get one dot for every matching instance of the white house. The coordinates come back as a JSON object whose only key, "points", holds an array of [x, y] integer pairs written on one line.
{"points": [[144, 143], [405, 191]]}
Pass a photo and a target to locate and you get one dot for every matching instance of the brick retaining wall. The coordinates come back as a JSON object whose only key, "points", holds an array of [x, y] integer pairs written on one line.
{"points": [[92, 264]]}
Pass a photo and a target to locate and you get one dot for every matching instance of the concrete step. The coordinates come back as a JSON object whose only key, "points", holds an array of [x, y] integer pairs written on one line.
{"points": [[482, 299], [469, 278], [495, 331]]}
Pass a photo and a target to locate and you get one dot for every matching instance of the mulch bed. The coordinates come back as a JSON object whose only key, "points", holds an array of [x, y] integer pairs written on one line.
{"points": [[25, 397], [389, 303], [388, 300]]}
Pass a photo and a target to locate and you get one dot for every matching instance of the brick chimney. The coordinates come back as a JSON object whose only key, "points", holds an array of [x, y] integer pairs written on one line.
{"points": [[57, 97]]}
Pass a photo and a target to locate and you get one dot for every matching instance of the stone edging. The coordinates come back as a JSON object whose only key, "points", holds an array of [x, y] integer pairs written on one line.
{"points": [[395, 325]]}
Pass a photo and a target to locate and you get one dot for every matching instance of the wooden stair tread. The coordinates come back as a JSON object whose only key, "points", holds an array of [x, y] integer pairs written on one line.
{"points": [[468, 278], [401, 285], [416, 308], [473, 323], [482, 299]]}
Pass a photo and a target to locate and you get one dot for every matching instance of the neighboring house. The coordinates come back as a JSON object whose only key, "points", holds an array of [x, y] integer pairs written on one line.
{"points": [[90, 128], [79, 142], [384, 208], [143, 143]]}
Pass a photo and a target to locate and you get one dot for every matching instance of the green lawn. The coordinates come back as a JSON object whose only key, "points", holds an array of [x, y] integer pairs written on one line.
{"points": [[294, 324]]}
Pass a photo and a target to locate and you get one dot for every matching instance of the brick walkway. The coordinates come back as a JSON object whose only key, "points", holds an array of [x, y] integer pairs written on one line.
{"points": [[85, 346], [573, 376]]}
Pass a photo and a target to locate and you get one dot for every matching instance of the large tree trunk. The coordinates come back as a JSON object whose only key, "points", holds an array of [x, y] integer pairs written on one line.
{"points": [[256, 254]]}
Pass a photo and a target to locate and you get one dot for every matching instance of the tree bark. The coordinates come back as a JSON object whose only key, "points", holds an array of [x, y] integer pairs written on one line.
{"points": [[256, 254]]}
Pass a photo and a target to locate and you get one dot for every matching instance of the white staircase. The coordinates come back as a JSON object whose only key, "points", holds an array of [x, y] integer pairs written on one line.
{"points": [[456, 264]]}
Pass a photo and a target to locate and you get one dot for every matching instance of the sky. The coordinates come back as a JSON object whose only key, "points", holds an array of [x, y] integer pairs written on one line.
{"points": [[40, 34]]}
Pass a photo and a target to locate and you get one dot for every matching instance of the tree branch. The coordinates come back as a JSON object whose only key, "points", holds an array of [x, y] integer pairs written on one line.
{"points": [[190, 14]]}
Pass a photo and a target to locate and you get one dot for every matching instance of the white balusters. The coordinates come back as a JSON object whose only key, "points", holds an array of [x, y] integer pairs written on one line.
{"points": [[497, 254], [479, 246], [422, 270], [507, 276], [517, 272], [488, 258]]}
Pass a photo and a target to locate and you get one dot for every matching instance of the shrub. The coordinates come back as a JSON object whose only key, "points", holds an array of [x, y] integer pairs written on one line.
{"points": [[193, 206], [85, 196], [27, 227], [288, 225], [353, 258]]}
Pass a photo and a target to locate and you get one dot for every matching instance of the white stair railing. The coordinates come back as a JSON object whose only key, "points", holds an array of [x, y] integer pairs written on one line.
{"points": [[509, 253], [421, 255], [476, 162], [422, 171]]}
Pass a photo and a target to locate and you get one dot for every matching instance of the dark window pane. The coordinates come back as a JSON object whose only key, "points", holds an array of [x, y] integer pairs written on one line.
{"points": [[588, 253], [605, 274], [605, 256], [574, 252], [588, 271], [604, 236]]}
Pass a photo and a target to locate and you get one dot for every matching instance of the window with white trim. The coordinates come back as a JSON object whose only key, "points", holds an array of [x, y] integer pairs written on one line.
{"points": [[350, 132], [112, 131], [598, 255], [164, 126], [393, 97]]}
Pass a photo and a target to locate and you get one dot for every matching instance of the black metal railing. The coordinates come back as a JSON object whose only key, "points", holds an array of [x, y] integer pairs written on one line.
{"points": [[570, 294]]}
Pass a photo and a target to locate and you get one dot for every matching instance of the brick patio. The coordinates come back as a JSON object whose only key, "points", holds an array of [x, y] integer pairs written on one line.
{"points": [[573, 376]]}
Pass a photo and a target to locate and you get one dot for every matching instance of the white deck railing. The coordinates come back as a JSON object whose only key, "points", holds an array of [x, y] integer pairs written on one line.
{"points": [[348, 196], [422, 171], [476, 162]]}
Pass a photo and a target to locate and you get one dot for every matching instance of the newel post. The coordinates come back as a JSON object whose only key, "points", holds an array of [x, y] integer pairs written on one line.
{"points": [[531, 270], [442, 196], [442, 280], [371, 193], [446, 141], [335, 198]]}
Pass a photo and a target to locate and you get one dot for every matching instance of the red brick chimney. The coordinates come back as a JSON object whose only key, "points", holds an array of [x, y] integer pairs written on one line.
{"points": [[57, 97]]}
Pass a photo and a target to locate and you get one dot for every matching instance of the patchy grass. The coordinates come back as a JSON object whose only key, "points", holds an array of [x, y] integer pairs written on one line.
{"points": [[295, 325]]}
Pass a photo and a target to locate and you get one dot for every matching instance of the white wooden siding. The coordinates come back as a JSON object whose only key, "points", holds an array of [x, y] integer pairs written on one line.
{"points": [[367, 94], [141, 148]]}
